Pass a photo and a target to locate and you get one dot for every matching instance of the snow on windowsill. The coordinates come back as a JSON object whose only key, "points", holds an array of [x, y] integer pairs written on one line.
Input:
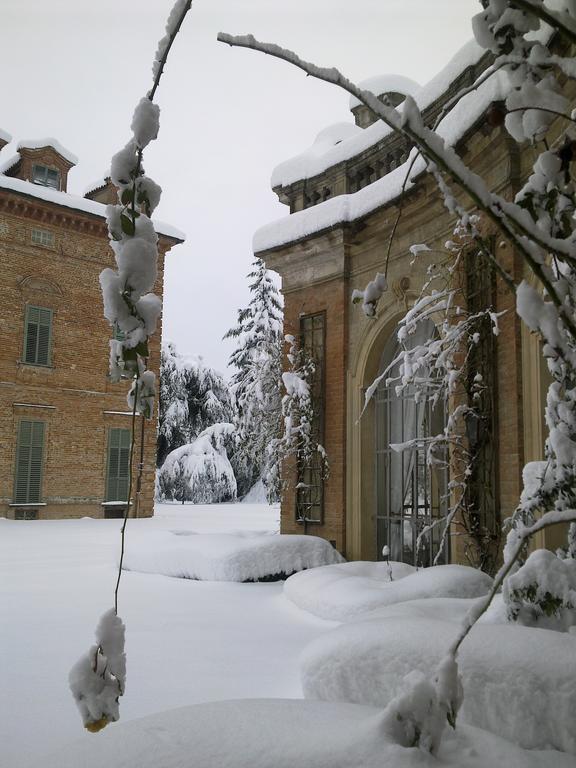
{"points": [[27, 504], [114, 503]]}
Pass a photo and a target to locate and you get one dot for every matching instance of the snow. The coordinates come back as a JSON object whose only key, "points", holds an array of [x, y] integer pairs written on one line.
{"points": [[345, 591], [5, 136], [239, 556], [381, 84], [193, 649], [10, 162], [98, 184], [77, 203], [311, 163], [186, 641], [256, 495], [98, 678], [48, 142], [350, 207], [519, 683], [200, 471], [542, 593], [145, 122], [283, 733]]}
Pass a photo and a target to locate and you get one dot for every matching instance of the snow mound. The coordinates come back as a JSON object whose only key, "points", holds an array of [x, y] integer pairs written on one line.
{"points": [[518, 683], [282, 733], [256, 495], [228, 557], [380, 84], [344, 592], [48, 142]]}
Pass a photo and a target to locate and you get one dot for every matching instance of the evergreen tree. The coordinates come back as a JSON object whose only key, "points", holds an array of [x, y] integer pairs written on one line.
{"points": [[193, 397], [256, 384]]}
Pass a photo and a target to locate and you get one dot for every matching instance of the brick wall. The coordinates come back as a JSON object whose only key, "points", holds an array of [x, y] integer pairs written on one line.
{"points": [[72, 396]]}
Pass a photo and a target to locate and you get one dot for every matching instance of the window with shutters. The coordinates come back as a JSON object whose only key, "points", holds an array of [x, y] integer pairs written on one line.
{"points": [[38, 336], [29, 460], [117, 465]]}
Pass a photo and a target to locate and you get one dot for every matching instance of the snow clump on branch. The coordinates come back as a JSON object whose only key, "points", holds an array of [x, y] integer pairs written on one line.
{"points": [[98, 678]]}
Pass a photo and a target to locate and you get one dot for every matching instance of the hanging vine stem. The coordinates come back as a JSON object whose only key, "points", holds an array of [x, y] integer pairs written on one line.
{"points": [[127, 510]]}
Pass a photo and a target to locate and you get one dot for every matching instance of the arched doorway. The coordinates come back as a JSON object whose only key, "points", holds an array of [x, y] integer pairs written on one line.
{"points": [[410, 493]]}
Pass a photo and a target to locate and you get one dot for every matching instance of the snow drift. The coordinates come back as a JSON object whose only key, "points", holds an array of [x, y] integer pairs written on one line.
{"points": [[283, 733], [519, 683], [228, 556], [344, 592]]}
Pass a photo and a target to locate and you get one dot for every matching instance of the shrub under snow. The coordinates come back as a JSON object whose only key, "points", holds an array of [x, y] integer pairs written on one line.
{"points": [[518, 683], [200, 472], [238, 556], [344, 592]]}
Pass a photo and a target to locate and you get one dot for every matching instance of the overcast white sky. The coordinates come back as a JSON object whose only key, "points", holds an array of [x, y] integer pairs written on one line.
{"points": [[75, 69]]}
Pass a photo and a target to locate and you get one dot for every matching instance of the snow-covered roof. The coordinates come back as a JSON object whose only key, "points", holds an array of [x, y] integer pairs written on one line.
{"points": [[5, 136], [99, 184], [309, 164], [347, 208], [381, 84], [48, 142], [75, 202], [10, 162]]}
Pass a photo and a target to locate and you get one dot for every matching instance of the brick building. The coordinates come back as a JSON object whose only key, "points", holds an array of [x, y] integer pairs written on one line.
{"points": [[64, 428], [344, 195]]}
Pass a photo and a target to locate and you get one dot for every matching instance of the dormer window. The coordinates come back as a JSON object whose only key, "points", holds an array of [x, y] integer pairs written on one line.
{"points": [[48, 177]]}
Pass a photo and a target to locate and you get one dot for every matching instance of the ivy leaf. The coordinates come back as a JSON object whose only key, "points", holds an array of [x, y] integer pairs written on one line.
{"points": [[128, 226], [127, 196]]}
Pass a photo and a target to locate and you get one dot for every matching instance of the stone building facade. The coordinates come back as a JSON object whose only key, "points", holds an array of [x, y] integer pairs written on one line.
{"points": [[64, 428], [344, 195]]}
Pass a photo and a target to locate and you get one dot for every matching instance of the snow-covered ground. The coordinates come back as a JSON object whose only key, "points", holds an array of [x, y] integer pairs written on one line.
{"points": [[186, 641], [191, 642]]}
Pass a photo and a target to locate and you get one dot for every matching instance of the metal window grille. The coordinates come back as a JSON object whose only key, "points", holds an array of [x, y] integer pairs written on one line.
{"points": [[42, 237], [38, 336], [310, 484], [29, 460], [117, 469], [410, 494]]}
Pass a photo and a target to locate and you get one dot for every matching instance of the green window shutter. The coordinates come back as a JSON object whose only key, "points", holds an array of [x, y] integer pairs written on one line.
{"points": [[118, 465], [29, 456], [38, 335]]}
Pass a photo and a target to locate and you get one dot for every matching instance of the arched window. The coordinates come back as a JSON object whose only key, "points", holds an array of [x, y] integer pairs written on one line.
{"points": [[410, 494]]}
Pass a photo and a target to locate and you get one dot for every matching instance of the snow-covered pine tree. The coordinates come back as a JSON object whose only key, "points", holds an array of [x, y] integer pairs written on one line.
{"points": [[193, 397], [256, 384]]}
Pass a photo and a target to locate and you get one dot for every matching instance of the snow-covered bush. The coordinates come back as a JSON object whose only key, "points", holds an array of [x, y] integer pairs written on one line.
{"points": [[256, 385], [542, 592], [200, 472]]}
